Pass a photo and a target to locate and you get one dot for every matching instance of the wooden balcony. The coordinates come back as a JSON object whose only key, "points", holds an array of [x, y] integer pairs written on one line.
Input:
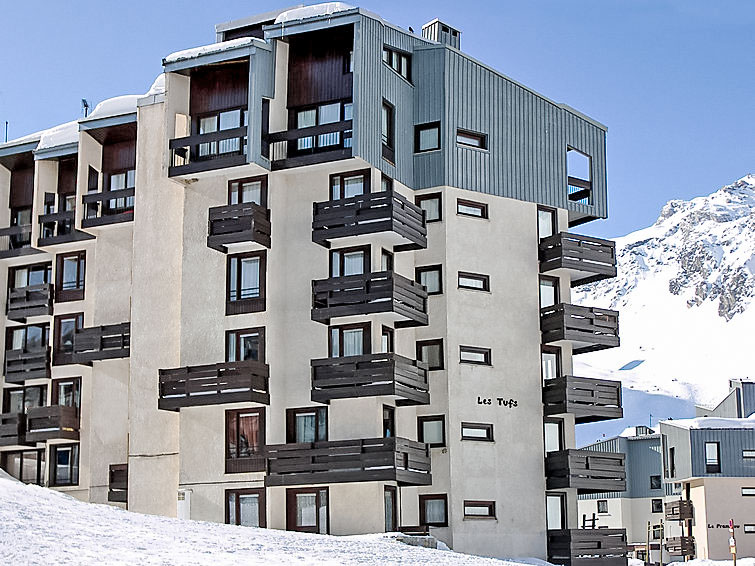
{"points": [[583, 258], [214, 384], [57, 228], [13, 429], [238, 224], [370, 375], [679, 510], [21, 365], [284, 153], [681, 546], [16, 241], [32, 300], [99, 212], [105, 342], [372, 459], [372, 213], [586, 470], [370, 293], [589, 400], [587, 328], [56, 422], [187, 159], [118, 483], [588, 547]]}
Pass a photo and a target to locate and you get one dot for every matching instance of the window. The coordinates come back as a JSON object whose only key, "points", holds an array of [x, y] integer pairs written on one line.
{"points": [[389, 421], [479, 509], [579, 179], [387, 129], [386, 260], [66, 392], [386, 183], [748, 491], [712, 459], [433, 510], [246, 283], [245, 507], [657, 532], [19, 399], [32, 338], [69, 276], [391, 509], [218, 122], [475, 281], [473, 355], [244, 440], [432, 430], [350, 261], [656, 505], [246, 344], [66, 326], [431, 352], [427, 137], [431, 277], [554, 435], [307, 510], [546, 222], [655, 482], [430, 203], [348, 63], [120, 181], [466, 138], [27, 466], [555, 511], [749, 529], [64, 462], [350, 340], [548, 291], [252, 190], [672, 461], [386, 340], [602, 506], [748, 454], [330, 113], [400, 62], [471, 208], [29, 275], [350, 184], [550, 362], [309, 424], [477, 431]]}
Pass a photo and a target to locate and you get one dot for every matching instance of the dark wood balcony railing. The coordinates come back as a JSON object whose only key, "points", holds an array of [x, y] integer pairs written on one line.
{"points": [[586, 470], [585, 258], [587, 328], [12, 429], [370, 293], [370, 375], [372, 459], [588, 547], [326, 142], [681, 546], [16, 241], [106, 342], [32, 300], [118, 483], [56, 422], [21, 365], [371, 213], [214, 384], [589, 400], [579, 190], [102, 208], [238, 223], [225, 148], [679, 510]]}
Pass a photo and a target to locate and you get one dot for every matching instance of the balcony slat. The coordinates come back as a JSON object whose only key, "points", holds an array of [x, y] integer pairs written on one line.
{"points": [[52, 422], [105, 342], [238, 223], [586, 470], [589, 328], [589, 400], [21, 365], [588, 547]]}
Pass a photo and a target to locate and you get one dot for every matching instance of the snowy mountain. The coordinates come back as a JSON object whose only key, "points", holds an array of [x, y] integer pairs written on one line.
{"points": [[686, 295]]}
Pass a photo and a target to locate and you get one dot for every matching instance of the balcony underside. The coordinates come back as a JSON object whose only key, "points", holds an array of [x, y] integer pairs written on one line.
{"points": [[55, 422], [589, 400], [588, 547], [244, 223], [588, 329], [72, 236], [586, 470], [582, 258], [370, 375], [373, 459]]}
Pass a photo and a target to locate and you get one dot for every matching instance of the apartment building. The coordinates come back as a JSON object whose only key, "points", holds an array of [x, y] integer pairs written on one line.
{"points": [[318, 279]]}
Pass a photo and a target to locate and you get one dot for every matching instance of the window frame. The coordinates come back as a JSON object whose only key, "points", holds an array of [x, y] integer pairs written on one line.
{"points": [[291, 423], [748, 492], [395, 53], [489, 505], [365, 327], [419, 128], [423, 498], [546, 349], [75, 448], [485, 279], [259, 492], [427, 269], [44, 328], [253, 304], [41, 459], [481, 206], [388, 142], [556, 290], [390, 410], [366, 175], [55, 394], [59, 357], [561, 434], [486, 353], [339, 252], [487, 427], [482, 138], [12, 270], [394, 504], [748, 454], [244, 464], [660, 482], [291, 494], [263, 188], [7, 392], [387, 331], [237, 333], [598, 507], [561, 496], [712, 468], [76, 294], [656, 505], [748, 529], [554, 221], [432, 342], [422, 419], [419, 199]]}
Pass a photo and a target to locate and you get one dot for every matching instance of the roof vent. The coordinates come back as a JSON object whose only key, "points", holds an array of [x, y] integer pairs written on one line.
{"points": [[442, 33]]}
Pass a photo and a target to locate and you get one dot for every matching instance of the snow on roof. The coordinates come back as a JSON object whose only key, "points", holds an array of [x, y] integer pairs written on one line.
{"points": [[116, 106], [632, 431], [24, 139], [713, 423], [305, 12], [207, 49], [158, 86], [64, 134]]}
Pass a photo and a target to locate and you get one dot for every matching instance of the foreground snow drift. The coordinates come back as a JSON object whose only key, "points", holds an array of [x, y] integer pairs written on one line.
{"points": [[42, 526]]}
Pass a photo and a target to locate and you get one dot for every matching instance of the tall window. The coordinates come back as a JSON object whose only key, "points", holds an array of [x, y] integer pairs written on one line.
{"points": [[245, 507], [431, 352], [431, 204], [431, 276], [121, 181], [350, 261], [389, 421], [432, 430], [32, 338], [246, 344], [386, 339], [391, 509], [64, 459], [246, 283], [244, 440], [350, 340], [672, 461], [548, 291], [550, 362], [350, 184], [29, 275], [19, 399], [67, 392], [712, 458], [252, 190], [307, 510], [546, 222], [70, 273], [433, 510], [309, 424], [555, 511], [554, 435], [66, 326], [387, 127], [427, 137]]}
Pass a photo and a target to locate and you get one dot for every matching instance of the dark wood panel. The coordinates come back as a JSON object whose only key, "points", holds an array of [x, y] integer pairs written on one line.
{"points": [[679, 510], [237, 223], [32, 300], [12, 429], [22, 187], [588, 547], [316, 65], [218, 87], [105, 342], [52, 422], [589, 259], [588, 399], [119, 156], [586, 470], [67, 176]]}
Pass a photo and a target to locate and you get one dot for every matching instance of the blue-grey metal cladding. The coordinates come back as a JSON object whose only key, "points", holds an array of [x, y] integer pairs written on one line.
{"points": [[679, 439], [261, 85], [731, 444], [748, 399]]}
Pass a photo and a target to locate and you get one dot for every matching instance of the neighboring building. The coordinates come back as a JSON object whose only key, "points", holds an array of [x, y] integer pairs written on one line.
{"points": [[313, 280], [738, 404]]}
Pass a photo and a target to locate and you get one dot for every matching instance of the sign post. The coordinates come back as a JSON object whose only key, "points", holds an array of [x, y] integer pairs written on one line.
{"points": [[732, 542]]}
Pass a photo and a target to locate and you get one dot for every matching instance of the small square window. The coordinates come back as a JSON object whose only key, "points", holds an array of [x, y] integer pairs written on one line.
{"points": [[750, 529], [657, 532], [477, 431], [433, 510], [431, 205], [431, 276], [427, 137], [471, 208], [431, 353], [602, 506], [471, 139], [748, 454], [748, 491], [712, 458], [475, 281], [432, 430], [655, 482], [656, 505], [479, 509], [472, 355]]}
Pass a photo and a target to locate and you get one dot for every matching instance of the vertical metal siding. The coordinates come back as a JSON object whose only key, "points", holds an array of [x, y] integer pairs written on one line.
{"points": [[748, 399], [731, 443]]}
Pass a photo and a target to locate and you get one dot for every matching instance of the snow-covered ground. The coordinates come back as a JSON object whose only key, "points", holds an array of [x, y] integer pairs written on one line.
{"points": [[39, 526], [702, 562]]}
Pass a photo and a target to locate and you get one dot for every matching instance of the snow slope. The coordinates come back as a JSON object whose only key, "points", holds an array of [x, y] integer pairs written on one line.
{"points": [[39, 526], [686, 296]]}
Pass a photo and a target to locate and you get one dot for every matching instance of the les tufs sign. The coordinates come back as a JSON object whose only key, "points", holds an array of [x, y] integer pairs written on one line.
{"points": [[499, 401]]}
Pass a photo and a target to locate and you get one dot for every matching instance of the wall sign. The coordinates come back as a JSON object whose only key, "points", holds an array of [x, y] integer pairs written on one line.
{"points": [[497, 401]]}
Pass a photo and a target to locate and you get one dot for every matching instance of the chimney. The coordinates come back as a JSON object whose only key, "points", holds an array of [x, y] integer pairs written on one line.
{"points": [[442, 33]]}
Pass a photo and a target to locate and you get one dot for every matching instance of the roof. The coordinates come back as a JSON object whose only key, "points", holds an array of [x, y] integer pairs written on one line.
{"points": [[712, 423], [252, 20]]}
